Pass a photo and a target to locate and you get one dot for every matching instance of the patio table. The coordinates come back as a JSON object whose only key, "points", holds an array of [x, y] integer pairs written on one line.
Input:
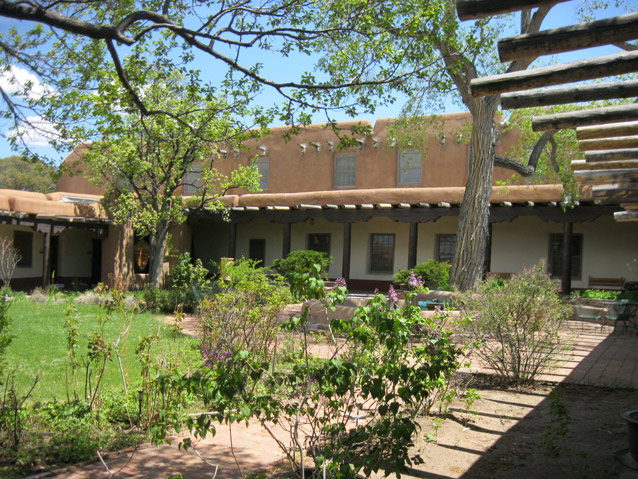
{"points": [[624, 311]]}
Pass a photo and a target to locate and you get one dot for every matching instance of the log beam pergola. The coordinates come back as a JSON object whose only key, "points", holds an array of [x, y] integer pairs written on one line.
{"points": [[565, 39], [611, 155], [472, 9], [578, 165], [599, 67], [593, 116], [608, 143], [571, 94], [606, 131]]}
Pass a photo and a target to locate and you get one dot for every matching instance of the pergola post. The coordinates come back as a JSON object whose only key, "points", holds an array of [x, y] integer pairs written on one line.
{"points": [[487, 265]]}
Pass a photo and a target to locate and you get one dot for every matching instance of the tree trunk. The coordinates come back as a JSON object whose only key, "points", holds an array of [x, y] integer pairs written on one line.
{"points": [[467, 267], [156, 254]]}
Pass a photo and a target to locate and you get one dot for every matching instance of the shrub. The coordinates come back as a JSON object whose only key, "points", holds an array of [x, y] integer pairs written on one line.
{"points": [[188, 273], [302, 261], [518, 323], [244, 315], [435, 274]]}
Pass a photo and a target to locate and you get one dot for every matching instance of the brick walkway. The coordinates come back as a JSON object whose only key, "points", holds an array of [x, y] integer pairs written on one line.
{"points": [[596, 358]]}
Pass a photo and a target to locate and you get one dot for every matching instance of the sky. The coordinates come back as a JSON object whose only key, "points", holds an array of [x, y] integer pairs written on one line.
{"points": [[562, 14]]}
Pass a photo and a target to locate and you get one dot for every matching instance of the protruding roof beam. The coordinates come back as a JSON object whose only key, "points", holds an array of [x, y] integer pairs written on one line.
{"points": [[623, 216], [573, 37]]}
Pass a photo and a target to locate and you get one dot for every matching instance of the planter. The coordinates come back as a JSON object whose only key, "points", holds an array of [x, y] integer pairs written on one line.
{"points": [[632, 424]]}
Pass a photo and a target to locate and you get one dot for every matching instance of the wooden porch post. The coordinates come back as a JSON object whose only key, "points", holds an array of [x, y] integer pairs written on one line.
{"points": [[345, 264], [46, 260], [566, 270], [287, 233], [232, 240], [487, 266], [414, 236]]}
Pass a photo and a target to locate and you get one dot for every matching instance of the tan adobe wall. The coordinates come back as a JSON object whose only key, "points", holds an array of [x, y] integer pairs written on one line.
{"points": [[306, 161], [74, 181]]}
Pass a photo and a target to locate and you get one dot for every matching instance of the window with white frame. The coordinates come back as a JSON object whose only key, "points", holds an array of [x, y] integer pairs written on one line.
{"points": [[263, 165], [409, 167], [381, 253], [345, 170], [193, 180], [555, 257], [445, 248]]}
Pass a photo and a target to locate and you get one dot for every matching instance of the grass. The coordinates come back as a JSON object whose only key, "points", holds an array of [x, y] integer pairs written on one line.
{"points": [[39, 346]]}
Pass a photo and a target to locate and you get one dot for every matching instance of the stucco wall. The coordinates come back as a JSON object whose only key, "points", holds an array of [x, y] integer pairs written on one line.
{"points": [[299, 240], [37, 253], [260, 229]]}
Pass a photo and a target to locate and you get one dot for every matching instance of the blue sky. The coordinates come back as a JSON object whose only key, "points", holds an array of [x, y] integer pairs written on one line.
{"points": [[562, 14]]}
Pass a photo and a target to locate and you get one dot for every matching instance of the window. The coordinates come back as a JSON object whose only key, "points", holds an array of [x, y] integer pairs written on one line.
{"points": [[445, 248], [345, 171], [319, 242], [23, 242], [556, 255], [409, 167], [141, 255], [263, 165], [381, 253], [257, 251], [193, 180]]}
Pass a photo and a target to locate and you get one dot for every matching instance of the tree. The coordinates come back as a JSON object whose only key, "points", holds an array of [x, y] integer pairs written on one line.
{"points": [[146, 160], [457, 53], [18, 173]]}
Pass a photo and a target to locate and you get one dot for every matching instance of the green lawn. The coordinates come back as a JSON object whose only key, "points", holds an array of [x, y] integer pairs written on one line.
{"points": [[39, 346]]}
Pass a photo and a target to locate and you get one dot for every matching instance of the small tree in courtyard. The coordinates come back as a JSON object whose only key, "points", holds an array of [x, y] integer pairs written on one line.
{"points": [[518, 323], [9, 259]]}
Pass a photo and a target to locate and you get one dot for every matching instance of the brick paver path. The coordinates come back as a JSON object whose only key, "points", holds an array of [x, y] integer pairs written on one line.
{"points": [[596, 357]]}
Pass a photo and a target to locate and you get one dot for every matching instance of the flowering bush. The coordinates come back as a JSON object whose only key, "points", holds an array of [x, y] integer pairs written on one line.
{"points": [[431, 274], [357, 401]]}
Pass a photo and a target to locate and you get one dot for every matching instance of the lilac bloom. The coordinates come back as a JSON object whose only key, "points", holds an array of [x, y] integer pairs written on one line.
{"points": [[341, 282], [392, 294]]}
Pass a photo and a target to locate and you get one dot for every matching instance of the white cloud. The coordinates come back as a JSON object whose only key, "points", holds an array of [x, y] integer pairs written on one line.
{"points": [[16, 80], [35, 131]]}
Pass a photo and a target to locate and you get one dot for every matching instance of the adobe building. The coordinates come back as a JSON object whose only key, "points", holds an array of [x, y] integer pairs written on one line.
{"points": [[376, 207]]}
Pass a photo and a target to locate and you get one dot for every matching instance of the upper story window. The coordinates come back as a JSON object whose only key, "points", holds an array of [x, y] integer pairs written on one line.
{"points": [[409, 167], [263, 165], [556, 255], [193, 180], [345, 170]]}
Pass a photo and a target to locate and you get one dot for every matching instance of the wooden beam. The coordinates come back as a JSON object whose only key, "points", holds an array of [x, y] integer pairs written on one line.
{"points": [[608, 143], [578, 165], [607, 131], [599, 67], [592, 116], [618, 192], [573, 37], [472, 9], [629, 206], [623, 216], [611, 155], [570, 94], [615, 201], [598, 176]]}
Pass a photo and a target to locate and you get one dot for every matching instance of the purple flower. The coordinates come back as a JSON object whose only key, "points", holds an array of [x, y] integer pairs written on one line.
{"points": [[392, 294], [413, 281], [214, 355], [341, 282]]}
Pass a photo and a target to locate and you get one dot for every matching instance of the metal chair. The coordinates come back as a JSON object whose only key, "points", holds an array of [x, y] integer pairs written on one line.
{"points": [[621, 312], [589, 313]]}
